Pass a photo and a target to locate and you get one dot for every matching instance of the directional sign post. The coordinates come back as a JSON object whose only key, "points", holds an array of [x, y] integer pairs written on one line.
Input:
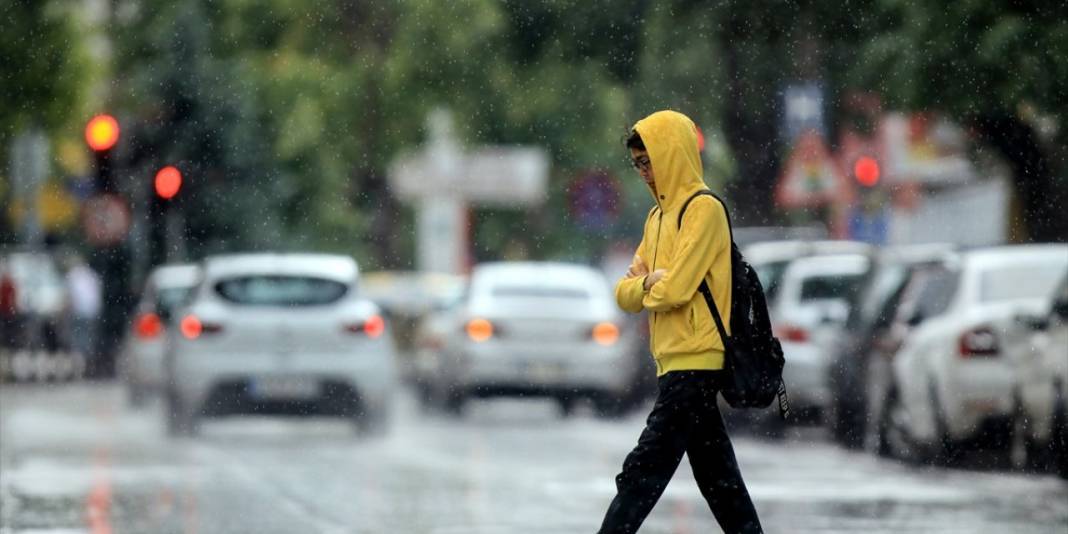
{"points": [[442, 179]]}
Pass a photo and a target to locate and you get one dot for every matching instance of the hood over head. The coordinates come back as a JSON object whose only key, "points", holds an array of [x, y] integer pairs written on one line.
{"points": [[670, 138]]}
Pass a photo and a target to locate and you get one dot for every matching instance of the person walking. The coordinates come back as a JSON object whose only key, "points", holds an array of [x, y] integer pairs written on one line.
{"points": [[84, 294], [9, 309], [663, 279]]}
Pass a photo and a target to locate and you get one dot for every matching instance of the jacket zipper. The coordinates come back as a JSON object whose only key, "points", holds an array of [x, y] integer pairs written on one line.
{"points": [[656, 251]]}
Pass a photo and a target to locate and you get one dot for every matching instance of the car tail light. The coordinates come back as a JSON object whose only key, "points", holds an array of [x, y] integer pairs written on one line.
{"points": [[192, 327], [605, 333], [372, 327], [793, 333], [148, 326], [479, 330], [981, 341]]}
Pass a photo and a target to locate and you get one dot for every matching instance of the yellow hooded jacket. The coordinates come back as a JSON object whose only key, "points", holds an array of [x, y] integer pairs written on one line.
{"points": [[683, 335]]}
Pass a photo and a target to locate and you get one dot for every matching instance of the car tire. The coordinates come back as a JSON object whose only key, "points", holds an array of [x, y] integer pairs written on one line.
{"points": [[894, 440], [847, 427], [609, 406], [1020, 450], [454, 403], [567, 405], [1059, 433], [136, 397], [945, 451], [181, 422], [373, 424]]}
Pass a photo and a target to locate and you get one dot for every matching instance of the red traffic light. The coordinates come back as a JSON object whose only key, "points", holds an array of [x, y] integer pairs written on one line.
{"points": [[168, 182], [866, 171], [102, 132]]}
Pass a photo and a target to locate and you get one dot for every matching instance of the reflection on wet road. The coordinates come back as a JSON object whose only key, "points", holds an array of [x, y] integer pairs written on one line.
{"points": [[73, 458]]}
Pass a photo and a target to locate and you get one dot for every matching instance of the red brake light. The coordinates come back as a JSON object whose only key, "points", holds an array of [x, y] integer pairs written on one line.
{"points": [[373, 327], [605, 333], [192, 327], [794, 334], [148, 326], [981, 341]]}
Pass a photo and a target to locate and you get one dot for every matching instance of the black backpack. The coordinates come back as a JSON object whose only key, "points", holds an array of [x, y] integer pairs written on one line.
{"points": [[753, 357]]}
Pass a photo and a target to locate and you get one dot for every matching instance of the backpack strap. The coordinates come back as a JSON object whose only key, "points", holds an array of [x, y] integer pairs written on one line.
{"points": [[703, 288], [706, 192]]}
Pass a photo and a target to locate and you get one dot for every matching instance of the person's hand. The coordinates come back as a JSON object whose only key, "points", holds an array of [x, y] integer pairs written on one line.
{"points": [[637, 268], [653, 278]]}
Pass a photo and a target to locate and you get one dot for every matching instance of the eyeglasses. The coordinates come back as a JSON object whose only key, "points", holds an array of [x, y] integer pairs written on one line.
{"points": [[642, 164]]}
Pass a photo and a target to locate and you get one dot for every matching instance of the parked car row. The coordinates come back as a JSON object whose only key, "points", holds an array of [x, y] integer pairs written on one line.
{"points": [[261, 333], [925, 352]]}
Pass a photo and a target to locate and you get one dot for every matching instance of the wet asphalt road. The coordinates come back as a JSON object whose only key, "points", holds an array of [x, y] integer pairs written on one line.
{"points": [[74, 458]]}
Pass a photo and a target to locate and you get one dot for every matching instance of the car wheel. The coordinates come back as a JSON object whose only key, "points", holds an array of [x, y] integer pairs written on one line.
{"points": [[1021, 452], [609, 406], [567, 406], [180, 420], [454, 403], [1059, 434], [945, 451], [136, 396], [894, 440], [847, 427], [372, 424]]}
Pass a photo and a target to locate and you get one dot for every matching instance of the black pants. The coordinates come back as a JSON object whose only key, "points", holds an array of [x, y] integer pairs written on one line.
{"points": [[686, 419]]}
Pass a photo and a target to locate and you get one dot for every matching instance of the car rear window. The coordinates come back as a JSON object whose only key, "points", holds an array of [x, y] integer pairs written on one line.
{"points": [[517, 291], [1019, 282], [842, 287], [280, 290]]}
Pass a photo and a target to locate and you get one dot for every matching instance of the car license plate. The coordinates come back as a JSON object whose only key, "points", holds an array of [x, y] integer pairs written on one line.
{"points": [[544, 371], [284, 387]]}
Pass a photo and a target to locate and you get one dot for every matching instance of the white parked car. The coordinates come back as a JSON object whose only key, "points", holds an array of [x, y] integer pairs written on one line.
{"points": [[280, 333], [952, 382], [531, 329], [141, 355], [1040, 422], [808, 313], [770, 258]]}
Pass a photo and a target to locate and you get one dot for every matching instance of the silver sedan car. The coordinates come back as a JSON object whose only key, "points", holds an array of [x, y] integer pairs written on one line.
{"points": [[280, 333], [141, 358], [532, 329]]}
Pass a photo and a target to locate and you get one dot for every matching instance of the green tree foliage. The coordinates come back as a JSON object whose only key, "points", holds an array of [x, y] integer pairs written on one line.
{"points": [[997, 67], [46, 71]]}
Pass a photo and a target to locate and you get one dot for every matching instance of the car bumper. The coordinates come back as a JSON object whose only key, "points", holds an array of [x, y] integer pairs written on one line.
{"points": [[217, 383], [506, 368], [975, 393]]}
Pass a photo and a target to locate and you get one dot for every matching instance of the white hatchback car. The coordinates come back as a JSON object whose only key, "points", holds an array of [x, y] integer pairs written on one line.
{"points": [[141, 354], [951, 380], [280, 333], [807, 313], [532, 329]]}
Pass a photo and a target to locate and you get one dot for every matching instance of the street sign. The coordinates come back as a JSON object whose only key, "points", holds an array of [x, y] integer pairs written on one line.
{"points": [[105, 220], [802, 111], [492, 175], [593, 200], [811, 177]]}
